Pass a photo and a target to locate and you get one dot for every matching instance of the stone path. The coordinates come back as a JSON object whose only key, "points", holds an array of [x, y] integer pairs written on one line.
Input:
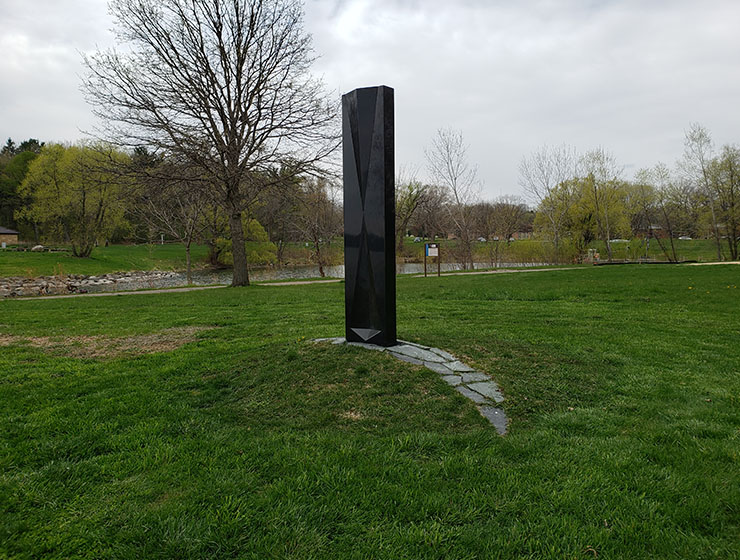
{"points": [[503, 271], [299, 282], [713, 263], [472, 384]]}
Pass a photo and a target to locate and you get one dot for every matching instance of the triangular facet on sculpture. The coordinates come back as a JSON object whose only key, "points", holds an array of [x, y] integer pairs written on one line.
{"points": [[365, 334], [367, 102]]}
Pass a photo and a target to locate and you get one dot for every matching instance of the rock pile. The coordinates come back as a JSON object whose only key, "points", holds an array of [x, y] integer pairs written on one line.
{"points": [[81, 284]]}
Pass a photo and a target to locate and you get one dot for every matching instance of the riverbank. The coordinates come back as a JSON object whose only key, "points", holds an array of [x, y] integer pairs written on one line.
{"points": [[82, 284]]}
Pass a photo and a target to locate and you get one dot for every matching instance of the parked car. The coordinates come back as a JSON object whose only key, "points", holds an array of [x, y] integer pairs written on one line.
{"points": [[684, 238]]}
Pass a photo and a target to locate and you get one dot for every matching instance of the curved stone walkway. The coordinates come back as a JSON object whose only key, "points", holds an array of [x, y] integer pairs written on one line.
{"points": [[472, 384]]}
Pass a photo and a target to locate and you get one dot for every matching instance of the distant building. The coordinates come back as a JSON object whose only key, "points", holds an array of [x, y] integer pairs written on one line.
{"points": [[9, 236], [517, 235]]}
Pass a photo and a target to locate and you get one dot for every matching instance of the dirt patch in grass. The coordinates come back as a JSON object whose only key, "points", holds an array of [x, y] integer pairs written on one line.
{"points": [[109, 347], [352, 415]]}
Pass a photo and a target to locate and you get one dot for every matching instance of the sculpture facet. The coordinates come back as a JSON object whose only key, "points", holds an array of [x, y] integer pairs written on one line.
{"points": [[369, 216]]}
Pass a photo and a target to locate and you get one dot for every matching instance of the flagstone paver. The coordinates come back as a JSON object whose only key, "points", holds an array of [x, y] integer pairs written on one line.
{"points": [[453, 380], [472, 384], [488, 389]]}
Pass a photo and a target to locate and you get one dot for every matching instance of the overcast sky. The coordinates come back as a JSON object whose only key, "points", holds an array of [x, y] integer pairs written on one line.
{"points": [[628, 75]]}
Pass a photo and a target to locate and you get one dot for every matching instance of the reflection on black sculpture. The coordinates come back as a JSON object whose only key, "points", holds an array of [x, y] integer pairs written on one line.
{"points": [[369, 216]]}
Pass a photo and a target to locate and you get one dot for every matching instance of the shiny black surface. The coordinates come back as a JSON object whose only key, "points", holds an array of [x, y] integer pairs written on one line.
{"points": [[369, 216]]}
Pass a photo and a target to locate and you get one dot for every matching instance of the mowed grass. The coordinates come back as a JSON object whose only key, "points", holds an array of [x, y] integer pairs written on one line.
{"points": [[114, 258], [622, 385], [702, 250]]}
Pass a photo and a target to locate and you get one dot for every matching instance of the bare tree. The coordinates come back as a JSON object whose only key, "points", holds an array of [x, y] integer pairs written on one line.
{"points": [[545, 175], [410, 195], [277, 211], [320, 217], [448, 164], [501, 220], [657, 187], [170, 201], [698, 153], [221, 84], [431, 216]]}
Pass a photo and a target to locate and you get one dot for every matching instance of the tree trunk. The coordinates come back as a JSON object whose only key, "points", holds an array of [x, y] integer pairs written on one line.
{"points": [[673, 246], [716, 232], [399, 245], [82, 251], [241, 272], [319, 257], [280, 250], [188, 274]]}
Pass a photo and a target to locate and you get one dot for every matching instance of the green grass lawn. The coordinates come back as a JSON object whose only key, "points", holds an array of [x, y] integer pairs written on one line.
{"points": [[249, 441], [115, 258], [702, 250]]}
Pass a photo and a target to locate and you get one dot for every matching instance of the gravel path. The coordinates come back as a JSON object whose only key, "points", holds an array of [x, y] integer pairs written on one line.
{"points": [[714, 263], [503, 271], [300, 282], [102, 294]]}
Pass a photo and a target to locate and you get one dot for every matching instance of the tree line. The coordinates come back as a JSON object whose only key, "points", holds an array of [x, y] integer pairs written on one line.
{"points": [[84, 195], [87, 194], [584, 197]]}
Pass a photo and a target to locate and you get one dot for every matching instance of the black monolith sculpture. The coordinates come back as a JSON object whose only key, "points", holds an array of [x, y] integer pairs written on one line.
{"points": [[369, 216]]}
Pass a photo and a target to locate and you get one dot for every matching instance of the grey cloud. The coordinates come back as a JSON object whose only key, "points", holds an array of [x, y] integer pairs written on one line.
{"points": [[628, 75]]}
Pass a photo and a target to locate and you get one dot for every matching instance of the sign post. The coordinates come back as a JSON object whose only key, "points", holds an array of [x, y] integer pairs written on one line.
{"points": [[431, 250]]}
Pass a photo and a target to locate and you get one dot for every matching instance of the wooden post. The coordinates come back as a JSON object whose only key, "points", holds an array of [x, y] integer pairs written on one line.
{"points": [[426, 249]]}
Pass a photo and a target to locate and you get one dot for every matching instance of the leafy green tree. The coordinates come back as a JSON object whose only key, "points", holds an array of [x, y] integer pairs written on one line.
{"points": [[8, 150], [410, 195], [75, 194], [11, 177], [30, 145], [592, 213], [604, 194], [277, 210], [257, 245], [724, 173]]}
